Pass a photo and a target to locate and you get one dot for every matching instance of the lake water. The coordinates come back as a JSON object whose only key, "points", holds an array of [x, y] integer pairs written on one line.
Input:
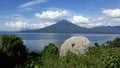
{"points": [[37, 41]]}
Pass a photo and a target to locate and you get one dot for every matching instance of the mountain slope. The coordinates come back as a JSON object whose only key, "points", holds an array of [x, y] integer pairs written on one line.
{"points": [[65, 26], [62, 26], [106, 29]]}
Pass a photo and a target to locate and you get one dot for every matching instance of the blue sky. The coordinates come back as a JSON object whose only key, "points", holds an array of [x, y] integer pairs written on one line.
{"points": [[33, 14]]}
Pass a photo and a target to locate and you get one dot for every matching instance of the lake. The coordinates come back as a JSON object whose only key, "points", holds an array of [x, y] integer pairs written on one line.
{"points": [[37, 41]]}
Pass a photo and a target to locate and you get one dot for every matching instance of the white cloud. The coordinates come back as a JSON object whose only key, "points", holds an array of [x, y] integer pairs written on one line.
{"points": [[40, 25], [52, 15], [116, 19], [31, 3], [94, 22], [90, 25], [17, 25], [89, 22], [112, 15], [24, 25], [112, 12], [79, 19]]}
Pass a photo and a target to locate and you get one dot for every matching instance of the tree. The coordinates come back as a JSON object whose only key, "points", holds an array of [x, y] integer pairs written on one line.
{"points": [[114, 43], [14, 48], [50, 51], [96, 44], [0, 43], [4, 60]]}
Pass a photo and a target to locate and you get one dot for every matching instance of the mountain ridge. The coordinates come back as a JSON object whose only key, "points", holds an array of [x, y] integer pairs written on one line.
{"points": [[65, 26]]}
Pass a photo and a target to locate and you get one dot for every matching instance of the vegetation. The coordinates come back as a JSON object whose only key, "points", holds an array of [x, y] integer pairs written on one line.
{"points": [[13, 54], [114, 43]]}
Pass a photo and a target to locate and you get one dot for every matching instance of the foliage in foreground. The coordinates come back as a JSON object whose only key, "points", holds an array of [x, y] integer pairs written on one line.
{"points": [[12, 52], [99, 56], [114, 43]]}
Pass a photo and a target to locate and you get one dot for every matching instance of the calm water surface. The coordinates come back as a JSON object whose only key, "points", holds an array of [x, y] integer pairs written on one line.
{"points": [[37, 41]]}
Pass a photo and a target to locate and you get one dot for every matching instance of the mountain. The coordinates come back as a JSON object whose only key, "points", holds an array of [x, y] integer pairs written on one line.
{"points": [[62, 26], [106, 29], [65, 26]]}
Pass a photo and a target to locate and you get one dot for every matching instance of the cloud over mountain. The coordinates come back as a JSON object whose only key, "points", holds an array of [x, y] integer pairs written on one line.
{"points": [[49, 17], [79, 19], [52, 15], [112, 12]]}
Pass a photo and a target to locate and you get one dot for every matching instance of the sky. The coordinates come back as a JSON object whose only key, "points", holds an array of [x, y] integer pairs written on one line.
{"points": [[35, 14]]}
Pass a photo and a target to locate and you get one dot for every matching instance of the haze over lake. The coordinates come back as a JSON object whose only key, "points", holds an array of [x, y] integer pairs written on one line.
{"points": [[37, 41]]}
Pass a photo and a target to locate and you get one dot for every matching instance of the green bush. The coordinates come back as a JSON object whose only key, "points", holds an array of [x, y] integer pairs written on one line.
{"points": [[14, 48], [33, 63], [50, 51], [114, 43], [96, 44], [111, 60]]}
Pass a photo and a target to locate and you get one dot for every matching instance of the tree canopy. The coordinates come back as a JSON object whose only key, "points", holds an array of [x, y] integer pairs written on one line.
{"points": [[14, 48]]}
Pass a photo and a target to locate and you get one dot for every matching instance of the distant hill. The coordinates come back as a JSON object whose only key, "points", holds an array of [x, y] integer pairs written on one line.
{"points": [[65, 26], [106, 29]]}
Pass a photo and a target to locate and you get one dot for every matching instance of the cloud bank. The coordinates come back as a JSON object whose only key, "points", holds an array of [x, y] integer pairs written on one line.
{"points": [[109, 17], [79, 19], [52, 15], [112, 12], [18, 25]]}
